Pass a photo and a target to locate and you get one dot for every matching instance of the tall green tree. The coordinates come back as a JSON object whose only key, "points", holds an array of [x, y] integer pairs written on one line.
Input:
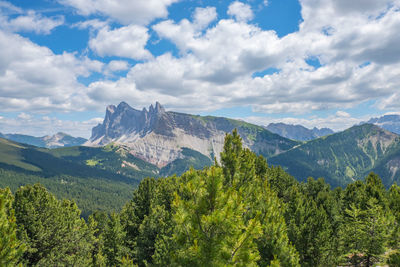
{"points": [[11, 248], [365, 233], [135, 211], [52, 230], [210, 229], [394, 204], [308, 228], [114, 246]]}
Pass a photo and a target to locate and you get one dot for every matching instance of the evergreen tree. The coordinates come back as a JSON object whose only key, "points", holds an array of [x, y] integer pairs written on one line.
{"points": [[53, 232], [308, 228], [11, 248], [209, 229], [365, 233], [394, 204], [114, 236], [136, 210]]}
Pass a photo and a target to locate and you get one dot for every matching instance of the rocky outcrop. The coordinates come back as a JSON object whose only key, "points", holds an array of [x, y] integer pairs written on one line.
{"points": [[158, 136]]}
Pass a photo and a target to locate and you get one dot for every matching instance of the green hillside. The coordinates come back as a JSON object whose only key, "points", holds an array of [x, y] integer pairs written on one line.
{"points": [[11, 154], [344, 157], [97, 178], [92, 187], [190, 158], [112, 158]]}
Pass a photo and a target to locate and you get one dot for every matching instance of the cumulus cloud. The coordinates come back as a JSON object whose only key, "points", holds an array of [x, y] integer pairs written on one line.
{"points": [[224, 53], [220, 63], [356, 67], [26, 21], [203, 17], [117, 65], [32, 77], [128, 42], [94, 24], [123, 11], [241, 11]]}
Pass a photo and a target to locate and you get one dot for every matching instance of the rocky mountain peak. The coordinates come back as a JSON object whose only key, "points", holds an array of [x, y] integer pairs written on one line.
{"points": [[123, 120], [111, 108], [158, 109]]}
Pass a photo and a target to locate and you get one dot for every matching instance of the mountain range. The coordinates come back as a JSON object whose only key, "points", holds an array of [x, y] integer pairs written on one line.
{"points": [[388, 122], [48, 141], [297, 132], [159, 137], [132, 144], [346, 156]]}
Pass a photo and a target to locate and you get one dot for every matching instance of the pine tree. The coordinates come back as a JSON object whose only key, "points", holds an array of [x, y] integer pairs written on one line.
{"points": [[11, 248], [114, 236], [394, 204], [52, 230], [209, 229], [365, 233]]}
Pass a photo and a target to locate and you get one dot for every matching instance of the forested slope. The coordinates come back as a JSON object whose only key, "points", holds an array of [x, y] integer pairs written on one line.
{"points": [[239, 213]]}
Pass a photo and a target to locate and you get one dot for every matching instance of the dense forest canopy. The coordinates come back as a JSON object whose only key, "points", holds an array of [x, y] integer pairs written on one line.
{"points": [[239, 212]]}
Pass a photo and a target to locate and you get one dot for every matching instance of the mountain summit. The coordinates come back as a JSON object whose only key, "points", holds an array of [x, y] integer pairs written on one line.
{"points": [[159, 136], [124, 120]]}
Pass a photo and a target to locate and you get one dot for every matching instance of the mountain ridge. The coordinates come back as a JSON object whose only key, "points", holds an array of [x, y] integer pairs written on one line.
{"points": [[297, 132], [346, 156], [388, 122], [158, 136], [59, 139]]}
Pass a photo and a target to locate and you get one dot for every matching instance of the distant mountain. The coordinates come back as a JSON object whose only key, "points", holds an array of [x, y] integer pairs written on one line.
{"points": [[298, 132], [346, 156], [388, 122], [53, 141], [160, 137]]}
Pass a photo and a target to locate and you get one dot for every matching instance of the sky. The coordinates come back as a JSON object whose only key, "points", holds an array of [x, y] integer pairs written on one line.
{"points": [[319, 63]]}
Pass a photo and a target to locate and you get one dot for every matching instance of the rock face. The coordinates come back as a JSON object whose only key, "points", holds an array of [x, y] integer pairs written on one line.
{"points": [[158, 136], [297, 132]]}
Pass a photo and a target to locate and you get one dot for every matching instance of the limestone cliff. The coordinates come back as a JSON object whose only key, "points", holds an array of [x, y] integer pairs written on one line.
{"points": [[158, 136]]}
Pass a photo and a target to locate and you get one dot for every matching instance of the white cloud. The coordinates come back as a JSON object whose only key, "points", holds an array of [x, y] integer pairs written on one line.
{"points": [[224, 53], [128, 42], [242, 12], [342, 114], [24, 116], [355, 66], [94, 24], [26, 21], [117, 65], [204, 16], [124, 11], [216, 65], [33, 78], [9, 8]]}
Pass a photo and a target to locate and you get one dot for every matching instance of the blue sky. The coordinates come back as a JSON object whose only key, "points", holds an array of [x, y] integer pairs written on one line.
{"points": [[324, 63]]}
